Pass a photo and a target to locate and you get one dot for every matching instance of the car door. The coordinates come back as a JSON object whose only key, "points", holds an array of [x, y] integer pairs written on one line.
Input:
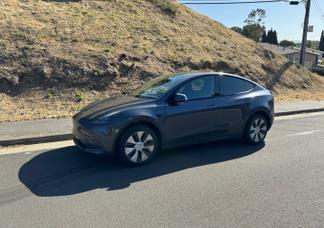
{"points": [[195, 120], [234, 103]]}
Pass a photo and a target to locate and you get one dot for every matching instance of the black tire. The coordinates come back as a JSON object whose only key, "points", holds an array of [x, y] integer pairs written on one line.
{"points": [[135, 148], [256, 130]]}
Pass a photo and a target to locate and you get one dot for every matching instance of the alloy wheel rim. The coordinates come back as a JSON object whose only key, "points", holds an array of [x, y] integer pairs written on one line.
{"points": [[258, 130], [139, 146]]}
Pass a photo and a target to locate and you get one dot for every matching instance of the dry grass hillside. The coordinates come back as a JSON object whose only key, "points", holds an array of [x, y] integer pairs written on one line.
{"points": [[58, 55]]}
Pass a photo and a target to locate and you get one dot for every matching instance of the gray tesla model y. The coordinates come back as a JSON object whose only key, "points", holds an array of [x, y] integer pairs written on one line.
{"points": [[172, 111]]}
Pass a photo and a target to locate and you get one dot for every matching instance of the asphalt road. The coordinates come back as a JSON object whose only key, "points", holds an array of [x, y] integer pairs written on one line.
{"points": [[227, 184]]}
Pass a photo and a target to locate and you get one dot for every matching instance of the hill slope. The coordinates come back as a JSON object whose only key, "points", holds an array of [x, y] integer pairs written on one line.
{"points": [[57, 55]]}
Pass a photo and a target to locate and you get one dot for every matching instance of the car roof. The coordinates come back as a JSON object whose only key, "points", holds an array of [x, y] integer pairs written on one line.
{"points": [[189, 75]]}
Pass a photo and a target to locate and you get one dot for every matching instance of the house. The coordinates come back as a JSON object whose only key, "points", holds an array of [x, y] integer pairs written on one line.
{"points": [[293, 54]]}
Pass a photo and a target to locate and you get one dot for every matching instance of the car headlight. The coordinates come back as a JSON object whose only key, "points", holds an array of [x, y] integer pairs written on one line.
{"points": [[103, 118]]}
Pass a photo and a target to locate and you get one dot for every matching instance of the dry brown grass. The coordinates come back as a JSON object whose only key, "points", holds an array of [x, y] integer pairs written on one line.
{"points": [[51, 50]]}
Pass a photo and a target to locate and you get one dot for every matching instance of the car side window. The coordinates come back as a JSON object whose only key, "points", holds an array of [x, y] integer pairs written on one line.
{"points": [[231, 85], [199, 88]]}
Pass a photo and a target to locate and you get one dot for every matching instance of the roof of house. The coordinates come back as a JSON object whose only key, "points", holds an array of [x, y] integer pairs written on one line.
{"points": [[310, 51], [278, 49], [289, 50]]}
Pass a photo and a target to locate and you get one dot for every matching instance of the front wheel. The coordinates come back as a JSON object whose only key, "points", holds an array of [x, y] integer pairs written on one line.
{"points": [[256, 130], [137, 145]]}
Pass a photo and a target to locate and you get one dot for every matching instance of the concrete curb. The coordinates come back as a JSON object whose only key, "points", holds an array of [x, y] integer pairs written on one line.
{"points": [[287, 113], [36, 140], [68, 136]]}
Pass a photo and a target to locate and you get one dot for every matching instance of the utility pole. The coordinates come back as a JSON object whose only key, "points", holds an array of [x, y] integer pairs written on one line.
{"points": [[304, 42]]}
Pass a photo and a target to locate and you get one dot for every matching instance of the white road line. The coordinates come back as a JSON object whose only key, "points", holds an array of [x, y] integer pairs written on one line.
{"points": [[35, 147], [304, 133]]}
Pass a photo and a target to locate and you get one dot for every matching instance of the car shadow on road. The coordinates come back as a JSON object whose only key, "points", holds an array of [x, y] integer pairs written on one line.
{"points": [[69, 171]]}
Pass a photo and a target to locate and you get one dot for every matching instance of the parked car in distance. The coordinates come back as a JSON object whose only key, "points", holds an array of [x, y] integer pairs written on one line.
{"points": [[172, 111]]}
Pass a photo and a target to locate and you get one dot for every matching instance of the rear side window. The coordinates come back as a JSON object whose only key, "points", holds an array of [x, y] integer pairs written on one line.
{"points": [[232, 85]]}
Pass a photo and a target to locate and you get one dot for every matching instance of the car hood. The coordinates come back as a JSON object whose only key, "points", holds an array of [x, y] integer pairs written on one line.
{"points": [[108, 105]]}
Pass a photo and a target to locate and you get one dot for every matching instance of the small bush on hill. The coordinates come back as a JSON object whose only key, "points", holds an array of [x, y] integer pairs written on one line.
{"points": [[166, 6]]}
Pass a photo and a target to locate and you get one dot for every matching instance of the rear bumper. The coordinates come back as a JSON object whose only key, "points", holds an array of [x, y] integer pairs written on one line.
{"points": [[93, 138]]}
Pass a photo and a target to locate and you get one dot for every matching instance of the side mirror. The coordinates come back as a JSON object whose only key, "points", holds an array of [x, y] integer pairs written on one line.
{"points": [[179, 98]]}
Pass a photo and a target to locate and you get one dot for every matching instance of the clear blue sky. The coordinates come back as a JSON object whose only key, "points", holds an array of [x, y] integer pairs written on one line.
{"points": [[286, 19]]}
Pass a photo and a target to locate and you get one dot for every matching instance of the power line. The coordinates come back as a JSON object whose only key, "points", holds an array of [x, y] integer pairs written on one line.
{"points": [[215, 0], [319, 7], [229, 1], [206, 2], [319, 10]]}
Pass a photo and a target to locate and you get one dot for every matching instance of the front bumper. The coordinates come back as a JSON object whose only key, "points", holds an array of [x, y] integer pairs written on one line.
{"points": [[90, 148], [92, 138]]}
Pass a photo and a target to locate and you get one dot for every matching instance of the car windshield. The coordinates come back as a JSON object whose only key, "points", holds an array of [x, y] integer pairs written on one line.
{"points": [[157, 87]]}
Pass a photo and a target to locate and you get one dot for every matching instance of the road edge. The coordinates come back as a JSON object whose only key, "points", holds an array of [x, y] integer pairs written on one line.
{"points": [[36, 140], [301, 111], [69, 136]]}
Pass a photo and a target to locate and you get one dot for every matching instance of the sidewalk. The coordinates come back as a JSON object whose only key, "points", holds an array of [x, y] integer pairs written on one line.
{"points": [[36, 131], [295, 107]]}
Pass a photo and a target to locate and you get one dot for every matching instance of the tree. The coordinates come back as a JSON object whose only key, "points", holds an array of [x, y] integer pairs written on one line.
{"points": [[272, 37], [275, 38], [287, 43], [237, 29], [314, 44], [256, 16], [254, 25], [253, 31], [264, 38], [321, 43]]}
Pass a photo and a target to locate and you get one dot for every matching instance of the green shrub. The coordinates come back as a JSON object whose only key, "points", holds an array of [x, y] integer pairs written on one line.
{"points": [[50, 94], [75, 108], [79, 96]]}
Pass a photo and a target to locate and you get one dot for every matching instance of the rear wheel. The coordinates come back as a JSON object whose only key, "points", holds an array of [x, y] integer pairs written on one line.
{"points": [[256, 130], [137, 145]]}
